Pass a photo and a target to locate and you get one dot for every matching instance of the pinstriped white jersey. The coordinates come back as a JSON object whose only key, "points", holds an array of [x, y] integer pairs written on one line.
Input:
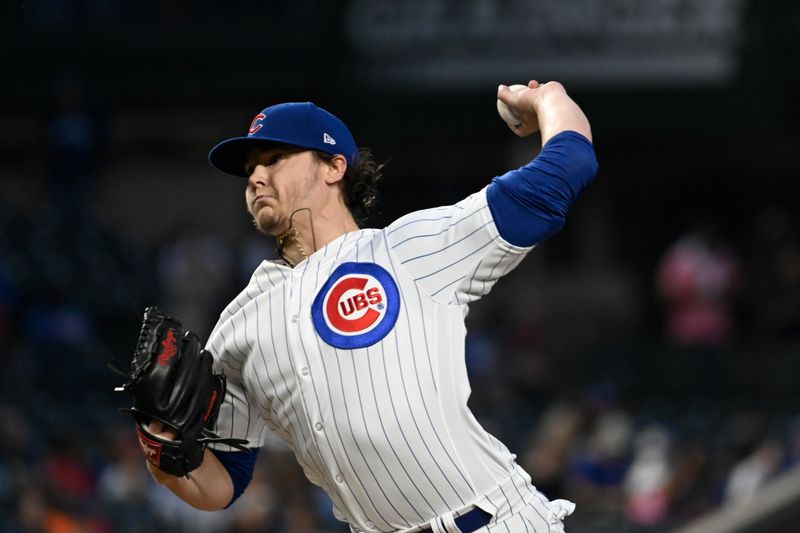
{"points": [[355, 358]]}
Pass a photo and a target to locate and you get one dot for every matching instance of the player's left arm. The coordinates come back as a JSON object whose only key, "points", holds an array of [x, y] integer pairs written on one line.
{"points": [[530, 204], [209, 487], [177, 400], [219, 480]]}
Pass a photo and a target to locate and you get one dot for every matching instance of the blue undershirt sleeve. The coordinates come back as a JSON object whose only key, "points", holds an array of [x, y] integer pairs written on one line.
{"points": [[240, 466], [530, 204]]}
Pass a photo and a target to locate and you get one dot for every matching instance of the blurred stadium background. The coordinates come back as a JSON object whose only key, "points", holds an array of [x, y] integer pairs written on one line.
{"points": [[643, 363]]}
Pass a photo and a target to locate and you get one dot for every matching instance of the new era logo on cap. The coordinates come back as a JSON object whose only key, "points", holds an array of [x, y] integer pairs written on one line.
{"points": [[295, 123]]}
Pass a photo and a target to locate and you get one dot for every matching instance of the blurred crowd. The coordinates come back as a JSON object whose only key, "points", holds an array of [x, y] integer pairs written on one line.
{"points": [[634, 458], [71, 295]]}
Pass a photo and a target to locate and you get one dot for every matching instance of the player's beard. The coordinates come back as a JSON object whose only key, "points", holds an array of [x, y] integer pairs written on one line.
{"points": [[257, 225], [272, 226]]}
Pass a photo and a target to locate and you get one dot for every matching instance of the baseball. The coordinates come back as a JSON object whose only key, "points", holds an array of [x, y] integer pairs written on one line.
{"points": [[505, 112]]}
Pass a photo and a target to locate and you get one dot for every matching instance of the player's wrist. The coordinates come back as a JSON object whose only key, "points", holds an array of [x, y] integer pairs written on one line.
{"points": [[162, 478], [548, 95]]}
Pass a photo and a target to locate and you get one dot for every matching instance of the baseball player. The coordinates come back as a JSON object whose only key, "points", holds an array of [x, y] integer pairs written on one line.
{"points": [[351, 348]]}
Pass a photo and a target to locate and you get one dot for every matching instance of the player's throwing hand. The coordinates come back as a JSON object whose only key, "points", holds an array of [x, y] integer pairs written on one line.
{"points": [[529, 103]]}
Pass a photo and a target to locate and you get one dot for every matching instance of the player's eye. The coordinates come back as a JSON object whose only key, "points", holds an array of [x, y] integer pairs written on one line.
{"points": [[275, 158], [268, 161]]}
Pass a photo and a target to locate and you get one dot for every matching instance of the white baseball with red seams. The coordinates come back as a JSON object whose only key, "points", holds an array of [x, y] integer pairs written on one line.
{"points": [[355, 358], [505, 112]]}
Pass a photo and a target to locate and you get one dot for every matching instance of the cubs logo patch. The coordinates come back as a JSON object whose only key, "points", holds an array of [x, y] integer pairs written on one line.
{"points": [[357, 306]]}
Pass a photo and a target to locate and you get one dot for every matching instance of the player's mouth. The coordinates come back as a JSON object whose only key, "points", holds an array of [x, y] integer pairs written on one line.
{"points": [[260, 201]]}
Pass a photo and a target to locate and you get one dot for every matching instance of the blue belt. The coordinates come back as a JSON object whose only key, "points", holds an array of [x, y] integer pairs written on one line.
{"points": [[470, 521]]}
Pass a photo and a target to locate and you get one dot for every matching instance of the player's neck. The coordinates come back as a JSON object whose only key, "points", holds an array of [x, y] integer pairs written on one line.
{"points": [[310, 231]]}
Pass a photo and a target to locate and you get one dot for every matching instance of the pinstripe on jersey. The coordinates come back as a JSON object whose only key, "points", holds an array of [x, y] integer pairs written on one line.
{"points": [[385, 429]]}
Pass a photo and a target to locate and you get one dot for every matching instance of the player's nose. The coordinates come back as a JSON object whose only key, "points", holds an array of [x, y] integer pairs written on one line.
{"points": [[258, 177]]}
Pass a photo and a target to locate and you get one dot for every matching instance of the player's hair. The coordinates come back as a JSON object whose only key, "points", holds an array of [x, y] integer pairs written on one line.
{"points": [[360, 185]]}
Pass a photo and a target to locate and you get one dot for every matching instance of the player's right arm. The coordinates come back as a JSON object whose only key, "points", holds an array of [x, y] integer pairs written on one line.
{"points": [[456, 253], [530, 204]]}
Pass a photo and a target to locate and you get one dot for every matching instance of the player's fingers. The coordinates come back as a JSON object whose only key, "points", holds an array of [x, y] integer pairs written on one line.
{"points": [[502, 92], [505, 95], [533, 84], [161, 430]]}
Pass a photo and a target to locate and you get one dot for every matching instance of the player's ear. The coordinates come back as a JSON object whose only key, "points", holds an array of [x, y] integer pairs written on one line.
{"points": [[335, 169]]}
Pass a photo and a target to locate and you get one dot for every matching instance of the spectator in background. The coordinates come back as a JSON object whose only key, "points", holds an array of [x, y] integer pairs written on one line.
{"points": [[647, 482], [551, 446], [599, 470], [122, 486], [196, 272], [749, 475], [697, 279]]}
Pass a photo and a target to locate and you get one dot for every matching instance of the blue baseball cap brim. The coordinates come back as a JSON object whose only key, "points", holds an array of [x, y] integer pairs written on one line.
{"points": [[229, 156], [300, 124]]}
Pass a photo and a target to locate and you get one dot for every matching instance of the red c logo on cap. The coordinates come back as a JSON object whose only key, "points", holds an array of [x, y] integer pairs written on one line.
{"points": [[256, 124]]}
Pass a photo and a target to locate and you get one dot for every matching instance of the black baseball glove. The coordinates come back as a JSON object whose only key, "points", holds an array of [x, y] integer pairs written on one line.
{"points": [[172, 382]]}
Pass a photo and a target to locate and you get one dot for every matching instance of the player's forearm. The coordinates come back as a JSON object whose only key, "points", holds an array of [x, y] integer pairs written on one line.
{"points": [[208, 487], [557, 112]]}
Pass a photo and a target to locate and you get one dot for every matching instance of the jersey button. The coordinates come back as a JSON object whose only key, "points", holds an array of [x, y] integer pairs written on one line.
{"points": [[294, 318], [369, 524], [339, 478], [304, 370], [318, 426]]}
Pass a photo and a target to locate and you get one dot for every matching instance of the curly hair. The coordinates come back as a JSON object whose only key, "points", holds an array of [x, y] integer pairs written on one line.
{"points": [[360, 185]]}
